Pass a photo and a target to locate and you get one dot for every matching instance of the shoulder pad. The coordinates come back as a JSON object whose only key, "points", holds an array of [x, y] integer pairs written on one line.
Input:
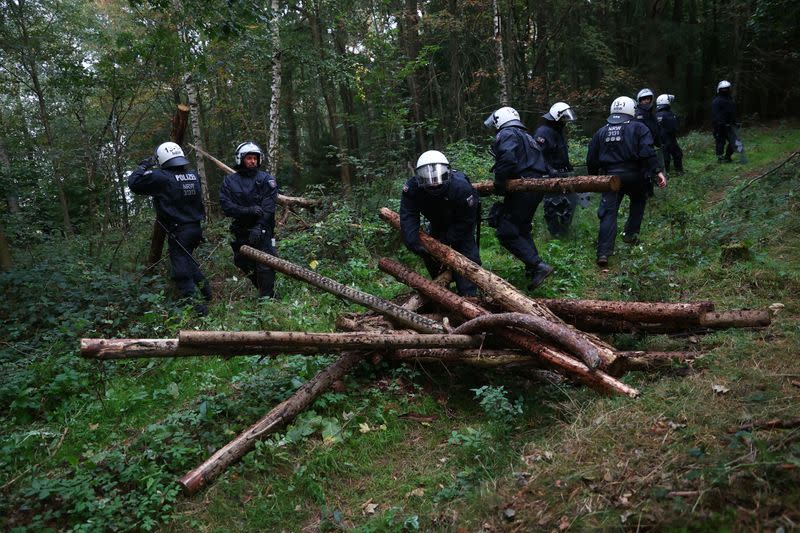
{"points": [[272, 183], [471, 200]]}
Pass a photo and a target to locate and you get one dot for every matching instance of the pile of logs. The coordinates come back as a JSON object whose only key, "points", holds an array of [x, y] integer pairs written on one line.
{"points": [[504, 329]]}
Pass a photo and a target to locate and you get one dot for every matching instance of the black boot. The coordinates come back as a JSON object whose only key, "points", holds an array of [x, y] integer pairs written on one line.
{"points": [[538, 274]]}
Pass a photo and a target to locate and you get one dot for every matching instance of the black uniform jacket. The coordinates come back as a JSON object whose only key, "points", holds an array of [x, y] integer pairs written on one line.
{"points": [[453, 213], [176, 193], [245, 189]]}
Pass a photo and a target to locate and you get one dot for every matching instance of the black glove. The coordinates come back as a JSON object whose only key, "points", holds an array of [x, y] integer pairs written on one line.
{"points": [[149, 162], [255, 210], [256, 237]]}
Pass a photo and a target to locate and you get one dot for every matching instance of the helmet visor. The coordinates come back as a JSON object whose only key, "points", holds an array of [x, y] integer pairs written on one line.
{"points": [[433, 174], [568, 115]]}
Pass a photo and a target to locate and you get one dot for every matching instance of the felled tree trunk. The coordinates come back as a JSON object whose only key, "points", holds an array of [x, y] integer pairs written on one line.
{"points": [[554, 185], [707, 321], [278, 417], [501, 291], [649, 312], [113, 349], [404, 316], [597, 379], [744, 318], [326, 341]]}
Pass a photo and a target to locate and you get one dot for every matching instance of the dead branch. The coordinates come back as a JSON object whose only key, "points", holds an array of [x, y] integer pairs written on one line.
{"points": [[554, 185]]}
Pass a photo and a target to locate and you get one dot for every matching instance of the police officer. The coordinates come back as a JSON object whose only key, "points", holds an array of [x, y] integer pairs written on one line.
{"points": [[668, 124], [178, 199], [723, 120], [645, 113], [623, 147], [452, 206], [558, 208], [517, 155], [249, 196]]}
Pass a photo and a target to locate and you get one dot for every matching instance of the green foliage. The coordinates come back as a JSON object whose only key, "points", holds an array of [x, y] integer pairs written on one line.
{"points": [[495, 403]]}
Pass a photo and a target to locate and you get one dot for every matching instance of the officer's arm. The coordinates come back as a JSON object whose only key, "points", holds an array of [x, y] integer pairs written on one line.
{"points": [[505, 157], [268, 204], [145, 181], [593, 156], [227, 202], [647, 153], [409, 222]]}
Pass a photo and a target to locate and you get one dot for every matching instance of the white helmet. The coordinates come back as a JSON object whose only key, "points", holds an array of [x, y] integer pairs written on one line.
{"points": [[664, 99], [505, 116], [622, 110], [560, 111], [644, 93], [247, 147], [724, 84], [433, 169], [169, 155]]}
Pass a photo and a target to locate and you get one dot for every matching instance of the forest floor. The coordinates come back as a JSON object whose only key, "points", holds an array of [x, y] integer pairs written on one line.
{"points": [[99, 446]]}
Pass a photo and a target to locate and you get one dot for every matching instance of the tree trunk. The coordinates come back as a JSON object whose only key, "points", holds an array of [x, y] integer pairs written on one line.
{"points": [[502, 78], [403, 316], [649, 312], [409, 40], [278, 417], [745, 318], [112, 349], [194, 118], [554, 185], [505, 294], [597, 379], [5, 253], [275, 98], [292, 135], [326, 341]]}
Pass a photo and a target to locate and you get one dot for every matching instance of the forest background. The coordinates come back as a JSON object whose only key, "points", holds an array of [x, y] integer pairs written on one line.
{"points": [[90, 88]]}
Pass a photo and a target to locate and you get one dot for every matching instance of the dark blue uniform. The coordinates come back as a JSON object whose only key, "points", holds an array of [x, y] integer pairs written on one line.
{"points": [[723, 120], [240, 193], [453, 211], [668, 125], [518, 155], [558, 208], [648, 118], [178, 199], [625, 150]]}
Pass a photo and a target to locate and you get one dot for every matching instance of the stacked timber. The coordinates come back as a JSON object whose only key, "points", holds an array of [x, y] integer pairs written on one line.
{"points": [[506, 330]]}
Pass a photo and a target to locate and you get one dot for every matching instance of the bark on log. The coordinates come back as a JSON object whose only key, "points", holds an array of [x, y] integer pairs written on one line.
{"points": [[404, 316], [279, 416], [597, 379], [326, 341], [501, 291], [649, 361], [554, 185], [112, 349], [707, 321], [543, 328], [288, 201], [648, 312]]}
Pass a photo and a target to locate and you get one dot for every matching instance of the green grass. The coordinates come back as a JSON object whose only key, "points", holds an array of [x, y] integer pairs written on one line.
{"points": [[89, 446]]}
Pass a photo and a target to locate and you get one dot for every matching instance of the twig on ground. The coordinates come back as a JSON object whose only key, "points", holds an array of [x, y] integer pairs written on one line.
{"points": [[768, 172]]}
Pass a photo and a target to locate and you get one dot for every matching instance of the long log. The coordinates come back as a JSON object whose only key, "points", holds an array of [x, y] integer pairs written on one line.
{"points": [[648, 312], [597, 379], [501, 291], [326, 341], [708, 321], [279, 416], [112, 349], [287, 201], [554, 185], [649, 361], [386, 308]]}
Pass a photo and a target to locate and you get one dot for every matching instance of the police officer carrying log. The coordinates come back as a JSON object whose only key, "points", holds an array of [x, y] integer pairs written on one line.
{"points": [[723, 120], [446, 198], [623, 147], [558, 208], [668, 124], [178, 201], [517, 155], [249, 196]]}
